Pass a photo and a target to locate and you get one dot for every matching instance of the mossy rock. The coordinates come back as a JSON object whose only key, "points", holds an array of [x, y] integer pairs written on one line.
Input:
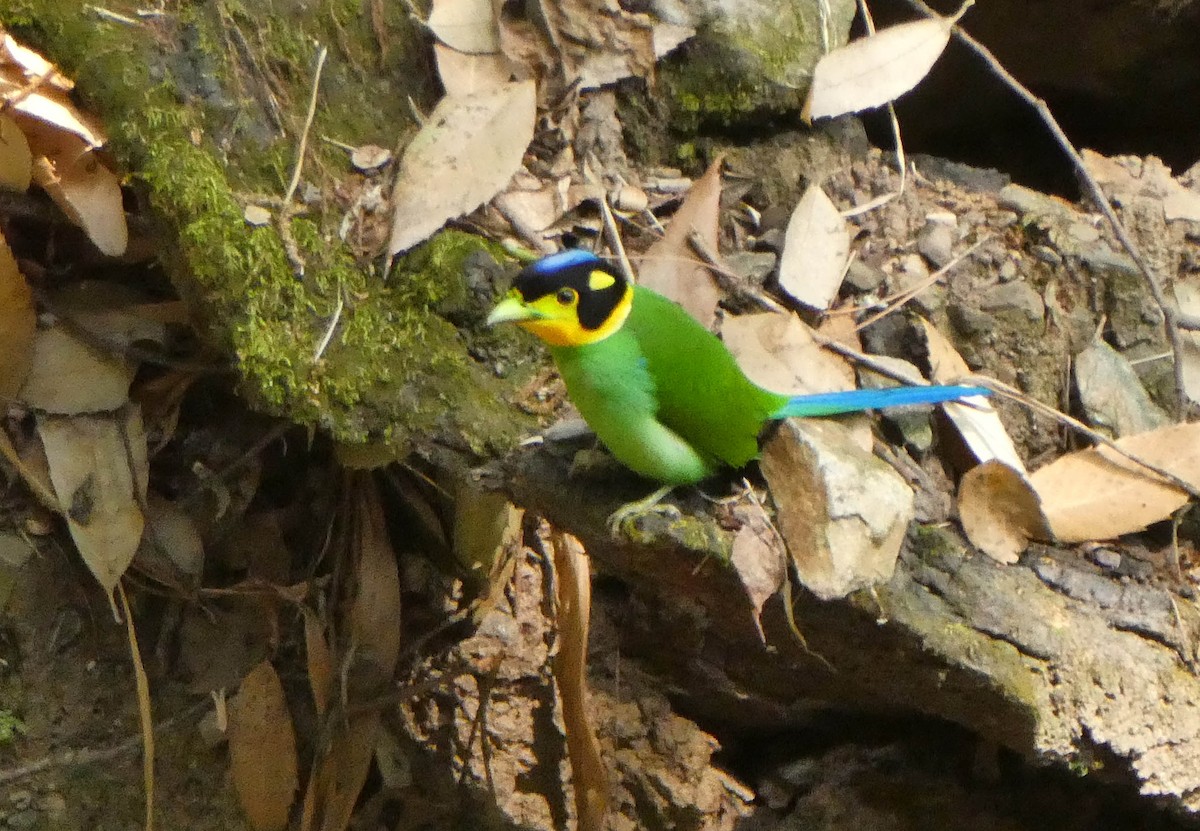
{"points": [[204, 107]]}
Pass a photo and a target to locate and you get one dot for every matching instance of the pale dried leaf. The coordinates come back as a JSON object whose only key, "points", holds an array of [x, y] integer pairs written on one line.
{"points": [[778, 352], [370, 157], [320, 661], [486, 526], [759, 560], [464, 74], [1000, 511], [671, 267], [874, 70], [375, 615], [975, 418], [469, 148], [816, 248], [16, 162], [573, 592], [88, 193], [18, 324], [69, 377], [343, 772], [1097, 494], [466, 25], [90, 467], [30, 63], [256, 216], [171, 541], [53, 111], [1187, 297], [262, 749]]}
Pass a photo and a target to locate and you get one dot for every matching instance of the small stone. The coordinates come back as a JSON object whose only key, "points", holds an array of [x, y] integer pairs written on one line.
{"points": [[1105, 558], [936, 242], [370, 157], [1004, 218], [1007, 271], [630, 198], [256, 215], [911, 273], [1083, 232], [754, 266], [1047, 255], [864, 277], [23, 819], [1016, 296], [772, 239]]}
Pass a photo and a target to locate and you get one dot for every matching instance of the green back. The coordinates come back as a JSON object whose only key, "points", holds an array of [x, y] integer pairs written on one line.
{"points": [[701, 392]]}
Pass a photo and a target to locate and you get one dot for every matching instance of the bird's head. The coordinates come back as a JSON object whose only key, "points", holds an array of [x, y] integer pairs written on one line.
{"points": [[571, 298]]}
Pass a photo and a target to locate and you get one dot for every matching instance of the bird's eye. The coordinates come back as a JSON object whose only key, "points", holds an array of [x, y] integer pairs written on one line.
{"points": [[565, 296]]}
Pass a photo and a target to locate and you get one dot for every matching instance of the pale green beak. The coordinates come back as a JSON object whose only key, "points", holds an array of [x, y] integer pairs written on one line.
{"points": [[511, 310]]}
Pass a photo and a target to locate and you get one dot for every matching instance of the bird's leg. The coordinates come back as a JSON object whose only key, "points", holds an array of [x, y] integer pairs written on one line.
{"points": [[641, 507]]}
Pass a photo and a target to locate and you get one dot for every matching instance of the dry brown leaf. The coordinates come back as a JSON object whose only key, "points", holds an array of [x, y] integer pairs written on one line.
{"points": [[573, 593], [338, 779], [1097, 494], [816, 249], [759, 560], [88, 193], [18, 323], [16, 162], [670, 266], [977, 420], [1000, 511], [469, 148], [1125, 178], [466, 25], [68, 377], [320, 661], [95, 469], [171, 545], [32, 65], [778, 352], [50, 108], [262, 749], [599, 42], [874, 70], [464, 74]]}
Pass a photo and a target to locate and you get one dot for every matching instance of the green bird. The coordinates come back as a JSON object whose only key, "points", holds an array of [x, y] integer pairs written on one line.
{"points": [[663, 394]]}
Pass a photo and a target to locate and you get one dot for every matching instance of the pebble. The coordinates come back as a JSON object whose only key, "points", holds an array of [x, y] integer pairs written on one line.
{"points": [[754, 266], [1105, 558], [936, 242], [1047, 255], [1008, 271], [863, 277], [1015, 296]]}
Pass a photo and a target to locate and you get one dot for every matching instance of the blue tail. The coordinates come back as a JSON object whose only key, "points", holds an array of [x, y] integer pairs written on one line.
{"points": [[853, 401]]}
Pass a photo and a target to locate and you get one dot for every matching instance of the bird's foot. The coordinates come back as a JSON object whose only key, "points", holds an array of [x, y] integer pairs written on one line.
{"points": [[633, 510]]}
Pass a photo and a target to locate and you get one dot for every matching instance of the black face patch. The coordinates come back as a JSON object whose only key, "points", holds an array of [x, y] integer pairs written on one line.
{"points": [[595, 304]]}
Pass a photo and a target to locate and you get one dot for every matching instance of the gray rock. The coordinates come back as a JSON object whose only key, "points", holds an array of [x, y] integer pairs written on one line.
{"points": [[863, 276], [1015, 296], [936, 242], [754, 266]]}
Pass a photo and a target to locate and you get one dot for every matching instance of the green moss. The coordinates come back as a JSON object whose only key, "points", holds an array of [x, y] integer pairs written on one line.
{"points": [[10, 727], [192, 123]]}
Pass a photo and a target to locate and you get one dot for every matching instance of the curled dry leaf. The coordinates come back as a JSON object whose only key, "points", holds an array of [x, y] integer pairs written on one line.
{"points": [[89, 194], [816, 249], [1098, 494], [466, 25], [18, 324], [68, 377], [99, 475], [16, 161], [573, 593], [671, 267], [469, 148], [975, 418], [759, 560], [1000, 511], [874, 70], [463, 73], [262, 749]]}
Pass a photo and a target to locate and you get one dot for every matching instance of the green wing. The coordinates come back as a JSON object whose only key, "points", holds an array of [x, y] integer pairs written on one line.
{"points": [[701, 392]]}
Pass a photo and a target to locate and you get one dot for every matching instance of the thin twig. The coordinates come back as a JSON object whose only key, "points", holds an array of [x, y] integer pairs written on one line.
{"points": [[731, 283], [95, 755], [1170, 317], [288, 211], [614, 238]]}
